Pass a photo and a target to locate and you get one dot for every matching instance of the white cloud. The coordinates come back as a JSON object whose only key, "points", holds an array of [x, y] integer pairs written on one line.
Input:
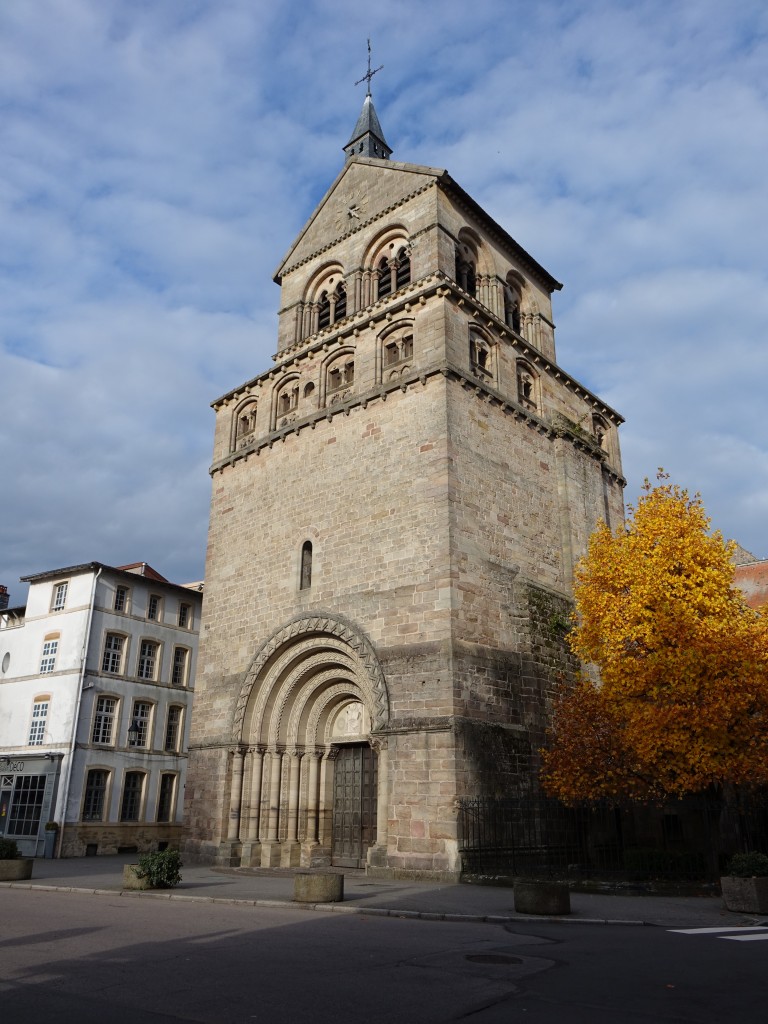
{"points": [[158, 159]]}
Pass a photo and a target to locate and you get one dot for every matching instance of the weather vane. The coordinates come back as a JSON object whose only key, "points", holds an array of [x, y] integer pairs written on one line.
{"points": [[367, 78]]}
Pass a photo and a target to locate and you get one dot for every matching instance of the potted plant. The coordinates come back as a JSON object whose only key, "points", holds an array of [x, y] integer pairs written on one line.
{"points": [[154, 871], [13, 867], [745, 886]]}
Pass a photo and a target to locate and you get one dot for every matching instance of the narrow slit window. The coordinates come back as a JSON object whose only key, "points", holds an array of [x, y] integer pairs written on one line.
{"points": [[306, 566]]}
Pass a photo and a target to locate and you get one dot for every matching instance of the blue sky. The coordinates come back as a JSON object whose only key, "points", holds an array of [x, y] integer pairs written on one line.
{"points": [[158, 158]]}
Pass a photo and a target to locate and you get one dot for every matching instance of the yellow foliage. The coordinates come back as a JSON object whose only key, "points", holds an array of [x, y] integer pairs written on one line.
{"points": [[682, 698]]}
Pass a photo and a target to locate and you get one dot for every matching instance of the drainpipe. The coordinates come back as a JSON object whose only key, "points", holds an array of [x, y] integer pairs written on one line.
{"points": [[76, 720]]}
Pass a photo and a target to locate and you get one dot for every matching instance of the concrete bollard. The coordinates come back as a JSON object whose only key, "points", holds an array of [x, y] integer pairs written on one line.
{"points": [[313, 888], [131, 880], [16, 870], [542, 898]]}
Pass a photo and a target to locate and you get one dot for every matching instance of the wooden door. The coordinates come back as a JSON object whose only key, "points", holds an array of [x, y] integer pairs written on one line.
{"points": [[354, 805]]}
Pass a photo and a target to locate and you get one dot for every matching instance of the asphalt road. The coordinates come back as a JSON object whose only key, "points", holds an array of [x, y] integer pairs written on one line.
{"points": [[102, 959]]}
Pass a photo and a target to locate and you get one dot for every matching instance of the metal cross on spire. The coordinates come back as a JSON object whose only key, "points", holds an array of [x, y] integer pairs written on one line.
{"points": [[367, 77]]}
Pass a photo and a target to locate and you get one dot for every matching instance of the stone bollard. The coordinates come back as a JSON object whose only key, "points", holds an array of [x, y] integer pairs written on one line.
{"points": [[16, 870], [552, 898], [313, 888], [131, 880]]}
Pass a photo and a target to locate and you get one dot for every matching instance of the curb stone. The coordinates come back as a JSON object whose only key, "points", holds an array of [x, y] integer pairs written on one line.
{"points": [[334, 908]]}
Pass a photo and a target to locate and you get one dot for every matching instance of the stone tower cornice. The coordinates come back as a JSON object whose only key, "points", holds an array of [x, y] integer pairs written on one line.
{"points": [[347, 332]]}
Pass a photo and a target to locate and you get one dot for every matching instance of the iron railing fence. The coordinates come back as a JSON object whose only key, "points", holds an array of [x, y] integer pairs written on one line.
{"points": [[531, 834]]}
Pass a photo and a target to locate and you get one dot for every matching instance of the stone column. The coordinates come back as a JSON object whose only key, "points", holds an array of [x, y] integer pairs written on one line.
{"points": [[325, 804], [236, 795], [290, 854], [294, 767], [312, 794], [377, 855], [392, 264], [257, 761], [270, 846]]}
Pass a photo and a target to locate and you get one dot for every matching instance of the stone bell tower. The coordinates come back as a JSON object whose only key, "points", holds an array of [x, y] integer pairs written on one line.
{"points": [[398, 504]]}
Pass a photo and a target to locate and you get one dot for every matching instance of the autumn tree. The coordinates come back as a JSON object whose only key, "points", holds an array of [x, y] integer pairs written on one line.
{"points": [[675, 700]]}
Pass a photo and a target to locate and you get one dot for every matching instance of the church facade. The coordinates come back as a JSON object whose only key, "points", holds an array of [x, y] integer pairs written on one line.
{"points": [[398, 504]]}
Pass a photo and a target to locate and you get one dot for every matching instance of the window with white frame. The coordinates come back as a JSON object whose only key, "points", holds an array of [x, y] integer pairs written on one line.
{"points": [[167, 797], [59, 596], [37, 725], [104, 720], [50, 649], [26, 805], [154, 607], [133, 789], [94, 801], [173, 729], [121, 599], [112, 660], [179, 669], [148, 659], [185, 616], [142, 713]]}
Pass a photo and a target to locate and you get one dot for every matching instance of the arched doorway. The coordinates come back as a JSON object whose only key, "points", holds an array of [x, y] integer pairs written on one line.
{"points": [[306, 784], [355, 788]]}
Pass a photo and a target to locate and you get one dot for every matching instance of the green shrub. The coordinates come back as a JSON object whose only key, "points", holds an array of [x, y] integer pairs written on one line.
{"points": [[8, 849], [748, 865], [161, 869]]}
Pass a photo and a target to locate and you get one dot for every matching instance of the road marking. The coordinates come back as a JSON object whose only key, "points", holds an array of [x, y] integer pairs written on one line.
{"points": [[714, 931], [747, 938]]}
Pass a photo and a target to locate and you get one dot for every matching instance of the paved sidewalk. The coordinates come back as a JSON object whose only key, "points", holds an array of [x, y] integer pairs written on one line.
{"points": [[427, 900]]}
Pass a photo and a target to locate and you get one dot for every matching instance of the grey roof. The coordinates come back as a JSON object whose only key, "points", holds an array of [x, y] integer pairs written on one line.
{"points": [[83, 567], [367, 138]]}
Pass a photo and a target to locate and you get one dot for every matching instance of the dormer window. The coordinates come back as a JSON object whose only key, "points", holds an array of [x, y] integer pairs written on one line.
{"points": [[59, 596]]}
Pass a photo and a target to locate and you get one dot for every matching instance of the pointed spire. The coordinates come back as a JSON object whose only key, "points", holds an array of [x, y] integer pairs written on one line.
{"points": [[367, 138]]}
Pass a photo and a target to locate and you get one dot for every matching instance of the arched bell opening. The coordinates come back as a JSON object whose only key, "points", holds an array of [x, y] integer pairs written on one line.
{"points": [[306, 789]]}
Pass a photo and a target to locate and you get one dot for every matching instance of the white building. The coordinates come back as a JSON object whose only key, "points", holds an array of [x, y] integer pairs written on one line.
{"points": [[96, 684]]}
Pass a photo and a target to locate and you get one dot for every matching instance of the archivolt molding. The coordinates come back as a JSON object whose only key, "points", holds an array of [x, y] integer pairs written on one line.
{"points": [[298, 707], [289, 666], [298, 632], [332, 697]]}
